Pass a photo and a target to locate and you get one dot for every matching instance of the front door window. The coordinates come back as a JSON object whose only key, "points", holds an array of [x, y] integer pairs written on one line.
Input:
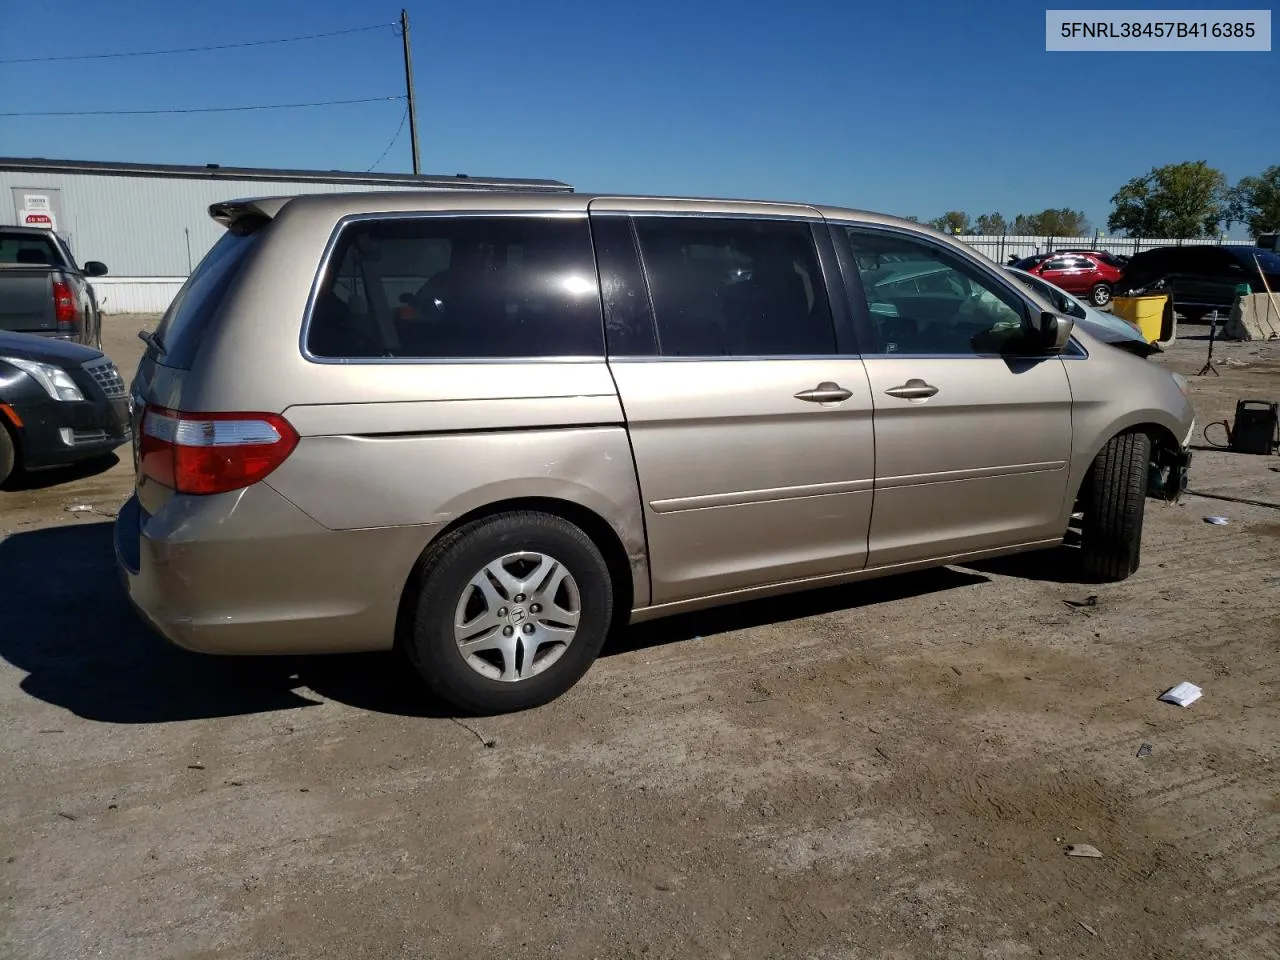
{"points": [[923, 300]]}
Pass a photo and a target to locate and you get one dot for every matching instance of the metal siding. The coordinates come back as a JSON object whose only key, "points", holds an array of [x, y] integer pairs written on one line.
{"points": [[135, 224], [136, 294]]}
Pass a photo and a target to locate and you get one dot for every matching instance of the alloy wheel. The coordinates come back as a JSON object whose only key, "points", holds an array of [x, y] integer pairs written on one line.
{"points": [[517, 616]]}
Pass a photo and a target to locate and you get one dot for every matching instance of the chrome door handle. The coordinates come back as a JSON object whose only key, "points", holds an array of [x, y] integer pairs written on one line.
{"points": [[825, 392], [913, 390]]}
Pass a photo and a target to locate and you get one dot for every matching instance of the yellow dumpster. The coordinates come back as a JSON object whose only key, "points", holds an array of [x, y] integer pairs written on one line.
{"points": [[1152, 314]]}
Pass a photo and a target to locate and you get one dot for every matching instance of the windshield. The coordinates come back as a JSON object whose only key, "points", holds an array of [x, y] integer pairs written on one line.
{"points": [[1269, 261], [184, 324], [1026, 263]]}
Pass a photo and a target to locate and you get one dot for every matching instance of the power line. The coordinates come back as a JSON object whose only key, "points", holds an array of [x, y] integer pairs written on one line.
{"points": [[404, 116], [139, 113], [218, 46]]}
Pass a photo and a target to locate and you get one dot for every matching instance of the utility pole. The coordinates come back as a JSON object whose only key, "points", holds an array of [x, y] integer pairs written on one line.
{"points": [[408, 83]]}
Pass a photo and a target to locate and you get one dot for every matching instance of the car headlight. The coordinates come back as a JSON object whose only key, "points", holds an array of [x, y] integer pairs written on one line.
{"points": [[55, 381]]}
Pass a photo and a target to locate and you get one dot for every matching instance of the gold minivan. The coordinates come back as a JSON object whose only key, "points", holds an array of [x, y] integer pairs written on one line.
{"points": [[487, 428]]}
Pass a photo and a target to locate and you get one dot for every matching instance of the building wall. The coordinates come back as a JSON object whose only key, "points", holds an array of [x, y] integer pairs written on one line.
{"points": [[140, 226], [136, 294]]}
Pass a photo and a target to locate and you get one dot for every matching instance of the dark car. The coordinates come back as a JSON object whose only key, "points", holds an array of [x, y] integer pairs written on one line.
{"points": [[1088, 274], [1202, 279], [59, 403], [44, 291]]}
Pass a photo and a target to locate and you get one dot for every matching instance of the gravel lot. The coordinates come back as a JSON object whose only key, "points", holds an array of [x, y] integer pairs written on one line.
{"points": [[892, 769]]}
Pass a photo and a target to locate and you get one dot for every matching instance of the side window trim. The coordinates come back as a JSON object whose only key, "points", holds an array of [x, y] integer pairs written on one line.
{"points": [[857, 295], [350, 221], [837, 304]]}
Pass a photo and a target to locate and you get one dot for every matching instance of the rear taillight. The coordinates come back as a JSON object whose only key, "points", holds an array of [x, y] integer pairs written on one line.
{"points": [[212, 452], [64, 303]]}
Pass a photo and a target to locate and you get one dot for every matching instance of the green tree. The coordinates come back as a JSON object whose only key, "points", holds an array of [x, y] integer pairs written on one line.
{"points": [[1060, 222], [992, 225], [1022, 226], [1054, 222], [1178, 200], [1256, 201], [953, 221]]}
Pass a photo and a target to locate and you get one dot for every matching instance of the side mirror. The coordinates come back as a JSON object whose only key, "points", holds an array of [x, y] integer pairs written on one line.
{"points": [[1053, 332], [94, 268]]}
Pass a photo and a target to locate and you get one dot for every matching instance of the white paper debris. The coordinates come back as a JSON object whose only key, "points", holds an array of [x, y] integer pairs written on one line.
{"points": [[1217, 521], [1184, 694]]}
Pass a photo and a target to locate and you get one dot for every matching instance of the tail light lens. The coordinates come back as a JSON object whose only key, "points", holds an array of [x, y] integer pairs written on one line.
{"points": [[64, 303], [202, 453]]}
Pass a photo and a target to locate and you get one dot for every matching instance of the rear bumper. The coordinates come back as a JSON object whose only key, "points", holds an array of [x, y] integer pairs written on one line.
{"points": [[249, 573]]}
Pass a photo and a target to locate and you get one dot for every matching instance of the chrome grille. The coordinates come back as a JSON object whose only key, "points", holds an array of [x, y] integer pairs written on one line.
{"points": [[106, 375]]}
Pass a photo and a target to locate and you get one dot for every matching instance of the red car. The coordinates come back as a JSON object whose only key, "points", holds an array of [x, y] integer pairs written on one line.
{"points": [[1088, 274]]}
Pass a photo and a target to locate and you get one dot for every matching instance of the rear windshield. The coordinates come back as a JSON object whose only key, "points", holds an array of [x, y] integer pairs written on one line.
{"points": [[188, 317], [21, 248]]}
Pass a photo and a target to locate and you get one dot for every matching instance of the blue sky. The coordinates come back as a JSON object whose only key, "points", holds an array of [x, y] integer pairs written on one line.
{"points": [[911, 107]]}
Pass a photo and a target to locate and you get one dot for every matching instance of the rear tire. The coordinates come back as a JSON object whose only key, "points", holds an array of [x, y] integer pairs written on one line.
{"points": [[1100, 295], [8, 455], [449, 604], [1113, 500]]}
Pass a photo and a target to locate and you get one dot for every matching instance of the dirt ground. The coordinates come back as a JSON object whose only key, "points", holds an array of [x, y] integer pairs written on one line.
{"points": [[892, 769]]}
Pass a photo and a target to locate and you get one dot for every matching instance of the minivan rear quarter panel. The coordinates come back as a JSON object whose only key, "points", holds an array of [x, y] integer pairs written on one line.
{"points": [[394, 443]]}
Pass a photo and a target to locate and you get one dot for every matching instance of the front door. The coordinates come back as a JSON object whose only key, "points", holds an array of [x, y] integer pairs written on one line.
{"points": [[750, 423], [972, 434]]}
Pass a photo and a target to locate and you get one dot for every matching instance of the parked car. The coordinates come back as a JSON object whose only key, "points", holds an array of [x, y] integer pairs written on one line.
{"points": [[487, 428], [1106, 256], [1202, 279], [1105, 326], [1087, 273], [60, 403], [42, 289]]}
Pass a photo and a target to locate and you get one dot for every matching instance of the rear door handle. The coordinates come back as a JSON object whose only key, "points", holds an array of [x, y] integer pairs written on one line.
{"points": [[825, 392], [913, 390]]}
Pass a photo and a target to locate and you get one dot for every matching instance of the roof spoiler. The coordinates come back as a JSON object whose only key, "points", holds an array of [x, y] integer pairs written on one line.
{"points": [[246, 216]]}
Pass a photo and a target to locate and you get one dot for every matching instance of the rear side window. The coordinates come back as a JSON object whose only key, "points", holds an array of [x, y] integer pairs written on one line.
{"points": [[187, 320], [735, 287], [459, 288]]}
